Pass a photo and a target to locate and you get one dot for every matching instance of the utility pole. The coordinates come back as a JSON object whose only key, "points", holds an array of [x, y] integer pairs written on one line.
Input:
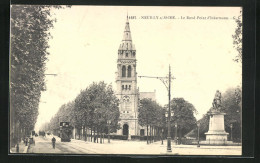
{"points": [[167, 82], [169, 148], [51, 74]]}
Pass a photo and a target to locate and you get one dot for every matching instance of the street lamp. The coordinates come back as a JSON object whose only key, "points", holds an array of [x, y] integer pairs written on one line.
{"points": [[167, 82], [168, 115], [162, 135], [238, 95], [108, 130], [198, 135], [231, 137]]}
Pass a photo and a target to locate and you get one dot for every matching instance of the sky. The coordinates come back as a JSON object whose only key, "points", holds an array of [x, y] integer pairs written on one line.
{"points": [[85, 41]]}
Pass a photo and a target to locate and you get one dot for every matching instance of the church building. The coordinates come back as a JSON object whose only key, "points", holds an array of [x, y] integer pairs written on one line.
{"points": [[127, 91]]}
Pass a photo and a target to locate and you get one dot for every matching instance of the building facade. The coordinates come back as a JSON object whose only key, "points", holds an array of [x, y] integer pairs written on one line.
{"points": [[127, 91]]}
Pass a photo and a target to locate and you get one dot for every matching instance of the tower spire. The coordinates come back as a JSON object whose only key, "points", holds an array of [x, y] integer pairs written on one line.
{"points": [[126, 43], [126, 81]]}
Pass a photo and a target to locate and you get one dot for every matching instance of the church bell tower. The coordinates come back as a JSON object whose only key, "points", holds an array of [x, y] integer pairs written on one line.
{"points": [[126, 81]]}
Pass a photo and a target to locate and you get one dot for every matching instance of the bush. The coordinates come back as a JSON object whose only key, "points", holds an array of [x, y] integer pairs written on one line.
{"points": [[135, 137], [186, 141], [119, 137]]}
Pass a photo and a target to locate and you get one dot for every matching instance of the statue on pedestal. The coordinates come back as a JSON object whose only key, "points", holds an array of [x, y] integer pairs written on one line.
{"points": [[217, 101], [216, 134]]}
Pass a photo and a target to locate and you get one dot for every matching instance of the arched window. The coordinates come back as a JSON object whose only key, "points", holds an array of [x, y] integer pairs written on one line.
{"points": [[126, 87], [123, 71], [129, 70], [125, 129], [126, 54], [129, 87], [142, 132], [122, 87], [133, 54]]}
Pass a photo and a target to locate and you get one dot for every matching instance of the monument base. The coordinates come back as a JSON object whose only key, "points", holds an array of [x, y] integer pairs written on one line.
{"points": [[216, 134], [217, 142], [215, 137]]}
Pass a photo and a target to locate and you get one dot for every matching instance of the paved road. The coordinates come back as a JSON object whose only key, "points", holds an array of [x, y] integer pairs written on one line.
{"points": [[44, 145]]}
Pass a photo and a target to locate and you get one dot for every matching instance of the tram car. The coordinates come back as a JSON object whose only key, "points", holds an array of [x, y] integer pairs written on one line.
{"points": [[65, 132]]}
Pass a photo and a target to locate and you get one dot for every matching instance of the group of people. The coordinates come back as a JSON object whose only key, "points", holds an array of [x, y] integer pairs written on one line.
{"points": [[28, 141]]}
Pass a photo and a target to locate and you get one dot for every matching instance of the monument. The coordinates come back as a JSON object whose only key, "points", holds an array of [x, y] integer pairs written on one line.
{"points": [[216, 134]]}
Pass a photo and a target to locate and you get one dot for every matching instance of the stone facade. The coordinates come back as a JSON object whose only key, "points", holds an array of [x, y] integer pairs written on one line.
{"points": [[126, 81], [127, 91], [216, 133]]}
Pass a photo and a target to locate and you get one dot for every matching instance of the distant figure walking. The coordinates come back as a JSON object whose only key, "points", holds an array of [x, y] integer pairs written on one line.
{"points": [[53, 142]]}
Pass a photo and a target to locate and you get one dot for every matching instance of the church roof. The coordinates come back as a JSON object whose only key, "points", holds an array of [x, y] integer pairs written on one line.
{"points": [[149, 95], [126, 43]]}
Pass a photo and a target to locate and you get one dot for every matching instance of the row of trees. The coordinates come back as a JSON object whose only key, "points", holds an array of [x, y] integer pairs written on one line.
{"points": [[28, 52], [152, 116], [97, 104], [92, 109]]}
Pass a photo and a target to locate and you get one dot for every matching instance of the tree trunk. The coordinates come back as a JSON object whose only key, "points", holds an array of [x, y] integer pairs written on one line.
{"points": [[75, 134], [147, 134], [150, 135], [84, 130], [100, 138], [94, 135], [154, 134], [79, 133], [97, 135], [91, 134], [180, 135], [157, 133], [87, 131]]}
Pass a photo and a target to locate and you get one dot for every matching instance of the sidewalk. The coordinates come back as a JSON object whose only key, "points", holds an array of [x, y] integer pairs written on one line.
{"points": [[22, 148], [140, 147], [136, 147]]}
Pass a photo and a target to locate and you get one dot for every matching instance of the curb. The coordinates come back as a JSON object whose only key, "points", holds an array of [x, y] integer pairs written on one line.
{"points": [[25, 149]]}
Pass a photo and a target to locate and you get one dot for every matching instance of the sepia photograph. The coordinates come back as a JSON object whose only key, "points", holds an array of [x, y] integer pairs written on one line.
{"points": [[125, 80]]}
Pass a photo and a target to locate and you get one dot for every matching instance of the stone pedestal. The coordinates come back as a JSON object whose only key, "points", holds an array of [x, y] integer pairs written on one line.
{"points": [[216, 133]]}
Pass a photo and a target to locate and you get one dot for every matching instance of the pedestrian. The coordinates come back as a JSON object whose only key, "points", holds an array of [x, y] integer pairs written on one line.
{"points": [[17, 148], [26, 141], [53, 142]]}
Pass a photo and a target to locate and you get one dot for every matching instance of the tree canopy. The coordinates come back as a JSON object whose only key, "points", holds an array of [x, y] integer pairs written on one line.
{"points": [[150, 113], [29, 38], [92, 108], [183, 115], [237, 38]]}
